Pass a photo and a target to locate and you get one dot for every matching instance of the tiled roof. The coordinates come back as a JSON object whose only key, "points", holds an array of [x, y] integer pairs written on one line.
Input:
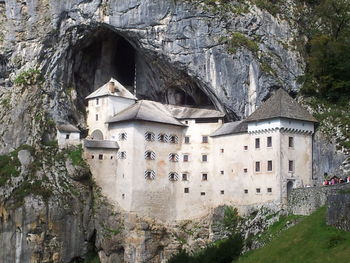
{"points": [[181, 112], [231, 128], [101, 144], [112, 88], [67, 128], [281, 105], [146, 110]]}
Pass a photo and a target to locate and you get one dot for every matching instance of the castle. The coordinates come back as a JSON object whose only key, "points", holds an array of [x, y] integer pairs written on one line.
{"points": [[173, 163]]}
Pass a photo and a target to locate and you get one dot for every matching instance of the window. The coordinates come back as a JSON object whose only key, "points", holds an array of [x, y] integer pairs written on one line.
{"points": [[122, 136], [150, 175], [186, 122], [204, 177], [222, 192], [96, 117], [257, 143], [173, 157], [100, 156], [204, 139], [246, 191], [269, 190], [245, 147], [222, 172], [186, 190], [185, 157], [269, 141], [187, 139], [150, 155], [245, 170], [202, 193], [258, 190], [162, 137], [111, 157], [257, 166], [222, 150], [269, 166], [123, 196], [204, 158], [184, 177], [173, 176], [122, 155], [291, 142], [92, 157], [67, 136], [97, 101], [149, 136], [291, 166], [173, 139]]}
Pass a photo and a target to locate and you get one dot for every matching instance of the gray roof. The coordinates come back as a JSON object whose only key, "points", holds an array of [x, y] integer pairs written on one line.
{"points": [[181, 112], [112, 88], [231, 128], [101, 144], [281, 105], [67, 128], [146, 110]]}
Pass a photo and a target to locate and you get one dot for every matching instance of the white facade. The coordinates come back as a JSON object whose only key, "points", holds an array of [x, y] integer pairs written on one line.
{"points": [[172, 172]]}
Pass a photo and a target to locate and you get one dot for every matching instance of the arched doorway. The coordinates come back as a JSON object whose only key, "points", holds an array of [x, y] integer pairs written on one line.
{"points": [[97, 135], [290, 185]]}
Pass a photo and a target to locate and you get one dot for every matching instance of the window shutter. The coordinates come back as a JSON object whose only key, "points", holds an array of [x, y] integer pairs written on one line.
{"points": [[150, 174], [173, 176]]}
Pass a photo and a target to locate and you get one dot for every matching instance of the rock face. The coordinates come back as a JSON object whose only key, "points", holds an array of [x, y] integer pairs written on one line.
{"points": [[338, 210]]}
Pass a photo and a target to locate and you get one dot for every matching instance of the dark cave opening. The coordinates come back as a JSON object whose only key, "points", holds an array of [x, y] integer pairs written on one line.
{"points": [[103, 53]]}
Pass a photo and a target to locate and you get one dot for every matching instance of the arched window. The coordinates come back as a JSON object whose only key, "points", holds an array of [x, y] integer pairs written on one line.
{"points": [[122, 136], [97, 135], [122, 155], [150, 175], [150, 155], [162, 137], [173, 157], [173, 176], [149, 136], [173, 139]]}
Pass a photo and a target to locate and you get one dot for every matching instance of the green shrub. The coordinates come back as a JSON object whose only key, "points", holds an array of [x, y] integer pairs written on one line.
{"points": [[29, 77], [238, 40]]}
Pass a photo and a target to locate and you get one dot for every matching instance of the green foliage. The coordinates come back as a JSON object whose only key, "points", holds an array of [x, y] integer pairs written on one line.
{"points": [[312, 240], [75, 154], [271, 6], [29, 77], [222, 251], [238, 40], [231, 219]]}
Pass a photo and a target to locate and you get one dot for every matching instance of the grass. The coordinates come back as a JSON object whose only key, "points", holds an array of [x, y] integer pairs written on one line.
{"points": [[309, 241]]}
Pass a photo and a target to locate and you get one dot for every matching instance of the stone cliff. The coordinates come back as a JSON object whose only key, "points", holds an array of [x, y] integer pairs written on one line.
{"points": [[54, 53]]}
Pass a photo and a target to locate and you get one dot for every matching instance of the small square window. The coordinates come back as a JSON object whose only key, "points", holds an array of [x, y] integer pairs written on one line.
{"points": [[222, 172], [204, 139], [204, 158], [100, 156], [257, 143], [257, 166], [222, 150], [185, 157], [258, 190], [111, 157], [269, 190], [67, 136], [269, 141], [92, 157], [246, 191], [123, 196], [245, 170], [204, 177], [184, 177], [202, 193], [186, 122], [187, 139], [222, 192], [291, 142], [245, 147], [186, 190], [269, 166]]}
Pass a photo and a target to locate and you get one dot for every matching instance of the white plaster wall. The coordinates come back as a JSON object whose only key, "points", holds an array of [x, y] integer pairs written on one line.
{"points": [[74, 139], [279, 123]]}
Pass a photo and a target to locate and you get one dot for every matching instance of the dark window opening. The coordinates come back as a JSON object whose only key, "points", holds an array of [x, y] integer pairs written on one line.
{"points": [[222, 172], [269, 165], [291, 166], [204, 177], [202, 193], [92, 157], [246, 191], [186, 190], [96, 117], [258, 190], [184, 177], [222, 192], [245, 147], [187, 139], [204, 158], [204, 139], [291, 142], [67, 136], [269, 141], [257, 166], [257, 143], [269, 190], [245, 170], [100, 156], [185, 158]]}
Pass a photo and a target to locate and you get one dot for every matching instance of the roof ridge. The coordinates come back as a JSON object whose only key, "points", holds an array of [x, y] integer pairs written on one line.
{"points": [[138, 110]]}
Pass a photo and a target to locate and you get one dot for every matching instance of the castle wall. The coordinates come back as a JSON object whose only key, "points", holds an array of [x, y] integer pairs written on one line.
{"points": [[74, 138]]}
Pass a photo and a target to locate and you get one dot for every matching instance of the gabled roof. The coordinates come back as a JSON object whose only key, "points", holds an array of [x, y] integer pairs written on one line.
{"points": [[181, 112], [146, 110], [281, 105], [231, 128], [112, 88], [67, 128]]}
